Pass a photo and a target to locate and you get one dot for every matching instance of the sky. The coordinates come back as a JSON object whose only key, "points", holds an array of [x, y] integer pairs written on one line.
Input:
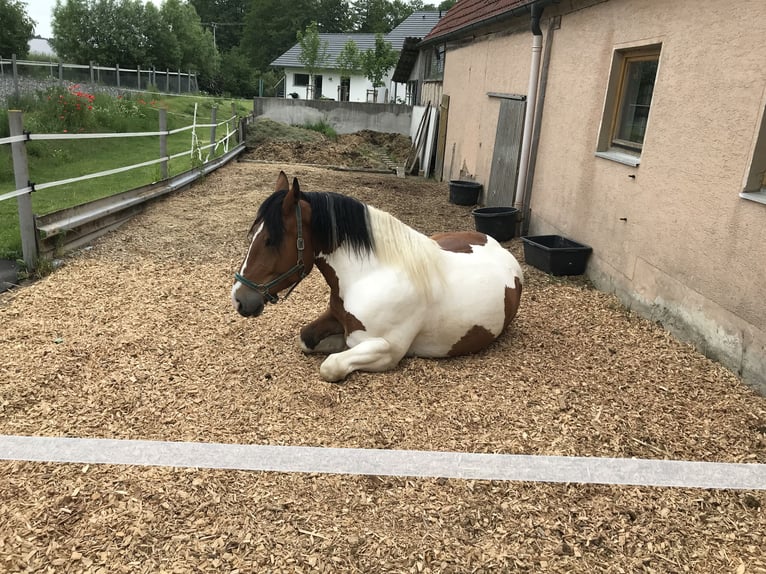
{"points": [[41, 12]]}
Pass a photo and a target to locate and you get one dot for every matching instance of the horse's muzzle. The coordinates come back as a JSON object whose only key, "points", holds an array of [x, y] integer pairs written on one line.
{"points": [[247, 302]]}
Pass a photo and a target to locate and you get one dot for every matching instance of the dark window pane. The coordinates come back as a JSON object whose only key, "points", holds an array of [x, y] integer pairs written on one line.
{"points": [[635, 102]]}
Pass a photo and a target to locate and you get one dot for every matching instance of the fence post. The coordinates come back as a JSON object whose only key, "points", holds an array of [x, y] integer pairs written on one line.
{"points": [[178, 87], [21, 175], [61, 74], [117, 71], [163, 142], [138, 77], [90, 68], [213, 121], [15, 76], [167, 80], [189, 91]]}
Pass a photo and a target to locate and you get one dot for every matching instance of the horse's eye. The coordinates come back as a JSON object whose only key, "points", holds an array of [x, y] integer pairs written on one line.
{"points": [[269, 242]]}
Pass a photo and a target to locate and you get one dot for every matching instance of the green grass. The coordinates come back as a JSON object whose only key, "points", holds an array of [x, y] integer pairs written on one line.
{"points": [[62, 159], [266, 130], [323, 128]]}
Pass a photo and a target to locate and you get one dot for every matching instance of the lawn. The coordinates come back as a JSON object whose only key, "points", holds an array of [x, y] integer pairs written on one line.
{"points": [[56, 160]]}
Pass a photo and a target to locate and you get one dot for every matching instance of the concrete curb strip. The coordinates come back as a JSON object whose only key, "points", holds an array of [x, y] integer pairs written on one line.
{"points": [[355, 461]]}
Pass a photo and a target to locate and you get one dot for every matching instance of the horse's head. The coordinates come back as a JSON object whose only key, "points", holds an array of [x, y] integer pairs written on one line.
{"points": [[281, 250]]}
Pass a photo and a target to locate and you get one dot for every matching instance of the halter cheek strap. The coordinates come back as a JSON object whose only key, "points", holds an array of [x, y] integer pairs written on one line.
{"points": [[299, 267]]}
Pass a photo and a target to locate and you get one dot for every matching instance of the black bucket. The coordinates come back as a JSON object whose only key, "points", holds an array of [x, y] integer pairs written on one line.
{"points": [[464, 192], [497, 222]]}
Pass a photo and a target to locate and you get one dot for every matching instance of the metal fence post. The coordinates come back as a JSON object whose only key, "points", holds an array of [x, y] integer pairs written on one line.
{"points": [[178, 87], [138, 77], [90, 67], [213, 113], [21, 175], [167, 80], [117, 71], [15, 76], [163, 142]]}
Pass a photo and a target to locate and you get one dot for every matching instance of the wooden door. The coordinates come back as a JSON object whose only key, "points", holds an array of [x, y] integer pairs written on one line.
{"points": [[505, 156]]}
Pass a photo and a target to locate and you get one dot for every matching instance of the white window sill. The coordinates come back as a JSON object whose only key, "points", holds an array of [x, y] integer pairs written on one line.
{"points": [[620, 157], [757, 196]]}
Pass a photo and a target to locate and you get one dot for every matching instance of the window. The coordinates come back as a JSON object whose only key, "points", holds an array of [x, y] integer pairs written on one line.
{"points": [[301, 80], [635, 99], [435, 63], [755, 177], [628, 101]]}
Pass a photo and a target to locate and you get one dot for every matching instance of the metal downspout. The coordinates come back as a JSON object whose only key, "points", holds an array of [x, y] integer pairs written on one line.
{"points": [[534, 74]]}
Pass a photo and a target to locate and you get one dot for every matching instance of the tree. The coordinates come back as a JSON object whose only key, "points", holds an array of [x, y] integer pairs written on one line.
{"points": [[349, 61], [314, 54], [197, 50], [17, 28], [270, 27], [376, 62], [372, 16], [236, 77], [333, 15], [382, 15], [225, 18]]}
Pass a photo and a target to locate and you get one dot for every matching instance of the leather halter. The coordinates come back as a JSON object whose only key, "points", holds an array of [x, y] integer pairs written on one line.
{"points": [[263, 288]]}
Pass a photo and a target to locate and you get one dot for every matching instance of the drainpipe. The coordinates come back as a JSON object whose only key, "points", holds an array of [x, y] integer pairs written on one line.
{"points": [[534, 74]]}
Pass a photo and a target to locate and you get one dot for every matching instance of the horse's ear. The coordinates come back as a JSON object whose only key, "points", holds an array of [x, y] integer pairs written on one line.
{"points": [[293, 196], [282, 181]]}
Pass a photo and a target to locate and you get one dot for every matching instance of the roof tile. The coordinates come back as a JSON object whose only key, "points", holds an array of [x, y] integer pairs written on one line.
{"points": [[468, 12]]}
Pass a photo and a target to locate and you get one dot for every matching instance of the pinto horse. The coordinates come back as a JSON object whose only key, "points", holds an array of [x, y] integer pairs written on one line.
{"points": [[393, 291]]}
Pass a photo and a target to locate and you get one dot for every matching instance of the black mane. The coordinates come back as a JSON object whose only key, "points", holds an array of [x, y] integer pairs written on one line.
{"points": [[335, 219]]}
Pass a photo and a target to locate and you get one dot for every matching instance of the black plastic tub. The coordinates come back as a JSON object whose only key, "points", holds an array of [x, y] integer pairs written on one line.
{"points": [[464, 192], [556, 255], [497, 222]]}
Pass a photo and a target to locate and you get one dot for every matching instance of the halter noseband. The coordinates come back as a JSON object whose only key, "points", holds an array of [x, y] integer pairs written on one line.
{"points": [[263, 289]]}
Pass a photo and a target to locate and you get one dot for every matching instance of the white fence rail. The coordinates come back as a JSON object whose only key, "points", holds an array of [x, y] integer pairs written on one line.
{"points": [[234, 132]]}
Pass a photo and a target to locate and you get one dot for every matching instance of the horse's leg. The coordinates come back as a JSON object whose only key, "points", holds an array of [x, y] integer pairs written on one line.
{"points": [[374, 354], [324, 334]]}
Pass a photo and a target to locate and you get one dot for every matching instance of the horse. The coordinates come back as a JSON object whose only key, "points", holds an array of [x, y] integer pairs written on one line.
{"points": [[394, 292]]}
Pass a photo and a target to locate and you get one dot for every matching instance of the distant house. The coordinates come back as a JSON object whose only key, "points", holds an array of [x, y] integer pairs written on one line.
{"points": [[637, 127], [328, 82]]}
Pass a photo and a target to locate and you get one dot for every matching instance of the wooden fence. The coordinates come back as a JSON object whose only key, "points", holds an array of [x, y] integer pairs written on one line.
{"points": [[72, 227]]}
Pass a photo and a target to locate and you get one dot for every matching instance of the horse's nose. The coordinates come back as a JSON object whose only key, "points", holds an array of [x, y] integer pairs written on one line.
{"points": [[247, 302]]}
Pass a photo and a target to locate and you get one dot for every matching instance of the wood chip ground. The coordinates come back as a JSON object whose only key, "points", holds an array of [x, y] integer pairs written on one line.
{"points": [[136, 338]]}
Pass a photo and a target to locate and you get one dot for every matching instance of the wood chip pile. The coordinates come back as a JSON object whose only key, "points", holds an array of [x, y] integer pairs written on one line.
{"points": [[136, 338]]}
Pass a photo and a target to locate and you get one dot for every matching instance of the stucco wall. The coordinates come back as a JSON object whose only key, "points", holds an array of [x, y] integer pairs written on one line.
{"points": [[499, 64], [671, 237]]}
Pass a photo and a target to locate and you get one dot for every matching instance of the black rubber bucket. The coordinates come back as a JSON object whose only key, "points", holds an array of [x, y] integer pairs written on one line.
{"points": [[464, 192], [497, 222]]}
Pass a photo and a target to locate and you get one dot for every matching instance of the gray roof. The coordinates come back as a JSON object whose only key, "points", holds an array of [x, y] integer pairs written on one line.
{"points": [[335, 43], [417, 25]]}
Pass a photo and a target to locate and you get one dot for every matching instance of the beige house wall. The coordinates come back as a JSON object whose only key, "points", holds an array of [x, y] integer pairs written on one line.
{"points": [[671, 237]]}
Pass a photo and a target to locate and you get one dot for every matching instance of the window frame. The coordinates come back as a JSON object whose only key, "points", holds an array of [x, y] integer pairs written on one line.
{"points": [[301, 85], [754, 184], [609, 146], [434, 65]]}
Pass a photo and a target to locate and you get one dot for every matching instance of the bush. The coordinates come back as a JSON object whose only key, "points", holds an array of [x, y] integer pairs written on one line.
{"points": [[323, 128]]}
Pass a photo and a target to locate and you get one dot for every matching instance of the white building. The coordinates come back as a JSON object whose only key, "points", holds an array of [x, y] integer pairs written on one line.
{"points": [[328, 82]]}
